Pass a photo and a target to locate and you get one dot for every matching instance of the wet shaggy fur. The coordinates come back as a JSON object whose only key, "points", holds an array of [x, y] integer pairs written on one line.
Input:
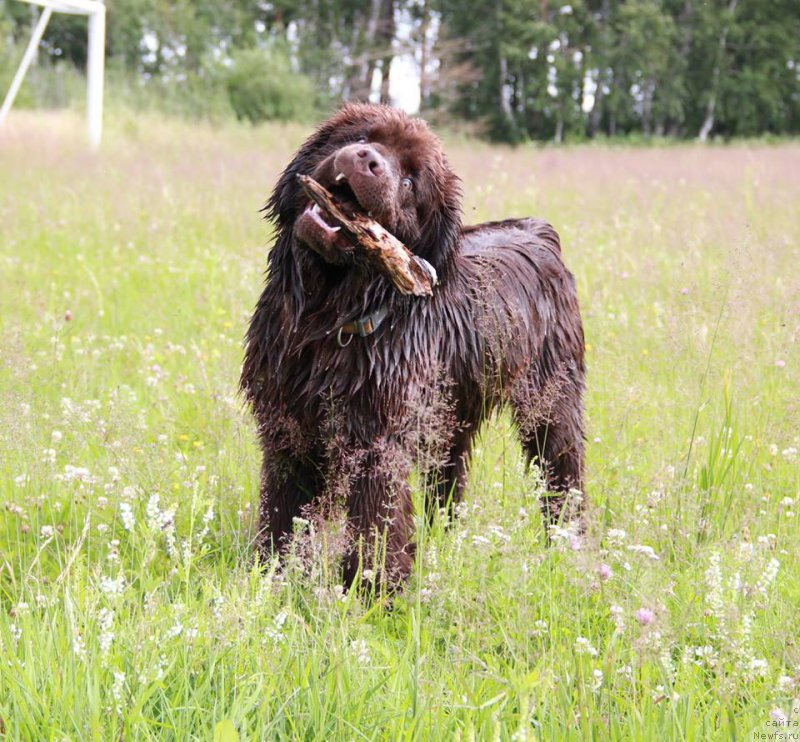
{"points": [[348, 424]]}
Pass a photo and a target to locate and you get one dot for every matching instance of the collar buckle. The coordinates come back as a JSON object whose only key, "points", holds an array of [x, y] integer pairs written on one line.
{"points": [[362, 326]]}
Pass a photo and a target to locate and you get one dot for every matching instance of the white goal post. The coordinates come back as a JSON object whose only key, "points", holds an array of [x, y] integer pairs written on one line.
{"points": [[96, 11]]}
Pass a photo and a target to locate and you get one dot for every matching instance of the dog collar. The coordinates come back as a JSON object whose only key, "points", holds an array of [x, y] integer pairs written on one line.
{"points": [[362, 326]]}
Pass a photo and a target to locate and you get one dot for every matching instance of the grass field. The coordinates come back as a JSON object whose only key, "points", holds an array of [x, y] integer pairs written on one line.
{"points": [[128, 466]]}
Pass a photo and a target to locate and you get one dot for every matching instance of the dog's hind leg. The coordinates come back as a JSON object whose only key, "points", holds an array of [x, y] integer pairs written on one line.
{"points": [[553, 438]]}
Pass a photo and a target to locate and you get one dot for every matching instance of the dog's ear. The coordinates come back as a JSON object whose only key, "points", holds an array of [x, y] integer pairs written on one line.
{"points": [[441, 230], [282, 206], [286, 200]]}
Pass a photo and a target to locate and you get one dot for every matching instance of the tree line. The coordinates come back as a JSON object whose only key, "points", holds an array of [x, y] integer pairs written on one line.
{"points": [[514, 70]]}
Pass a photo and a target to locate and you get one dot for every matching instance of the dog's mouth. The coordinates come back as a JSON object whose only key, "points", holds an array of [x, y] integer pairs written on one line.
{"points": [[326, 225], [343, 196]]}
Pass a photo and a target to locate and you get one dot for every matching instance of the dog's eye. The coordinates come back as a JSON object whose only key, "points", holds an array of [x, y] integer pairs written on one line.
{"points": [[407, 183], [361, 140]]}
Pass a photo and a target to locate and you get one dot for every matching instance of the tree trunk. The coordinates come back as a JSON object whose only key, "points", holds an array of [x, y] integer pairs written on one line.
{"points": [[505, 102], [366, 67], [559, 135], [597, 108], [599, 93], [386, 32], [708, 122], [424, 85]]}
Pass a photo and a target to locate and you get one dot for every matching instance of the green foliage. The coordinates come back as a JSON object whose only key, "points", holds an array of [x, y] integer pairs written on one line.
{"points": [[515, 70], [263, 87]]}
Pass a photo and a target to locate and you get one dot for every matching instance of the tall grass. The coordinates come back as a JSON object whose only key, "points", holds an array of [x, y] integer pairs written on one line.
{"points": [[129, 605]]}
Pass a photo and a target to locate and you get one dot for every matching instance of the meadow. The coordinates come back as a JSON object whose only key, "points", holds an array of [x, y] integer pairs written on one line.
{"points": [[129, 604]]}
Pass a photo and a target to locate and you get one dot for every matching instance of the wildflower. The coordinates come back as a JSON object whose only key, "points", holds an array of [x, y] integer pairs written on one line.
{"points": [[714, 598], [647, 551], [153, 513], [597, 681], [777, 715], [785, 684], [705, 655], [105, 621], [584, 646], [275, 633], [605, 572], [117, 689], [112, 588], [361, 649], [126, 515], [618, 617], [56, 436], [174, 631], [645, 616], [616, 535], [47, 532], [758, 667], [78, 645], [768, 577]]}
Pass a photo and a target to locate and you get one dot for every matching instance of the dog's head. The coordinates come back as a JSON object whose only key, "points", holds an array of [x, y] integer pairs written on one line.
{"points": [[377, 160]]}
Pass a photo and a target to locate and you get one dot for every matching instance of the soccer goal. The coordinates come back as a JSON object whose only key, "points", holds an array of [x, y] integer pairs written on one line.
{"points": [[96, 11]]}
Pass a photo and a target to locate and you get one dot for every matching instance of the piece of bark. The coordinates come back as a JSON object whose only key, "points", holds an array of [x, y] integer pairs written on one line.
{"points": [[409, 273]]}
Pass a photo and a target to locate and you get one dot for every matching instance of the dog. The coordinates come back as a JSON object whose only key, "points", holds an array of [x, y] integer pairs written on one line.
{"points": [[353, 384]]}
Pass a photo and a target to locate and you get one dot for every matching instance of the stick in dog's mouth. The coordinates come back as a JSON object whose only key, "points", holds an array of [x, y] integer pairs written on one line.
{"points": [[409, 273]]}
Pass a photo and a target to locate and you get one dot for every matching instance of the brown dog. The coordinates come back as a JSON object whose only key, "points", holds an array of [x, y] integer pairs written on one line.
{"points": [[352, 384]]}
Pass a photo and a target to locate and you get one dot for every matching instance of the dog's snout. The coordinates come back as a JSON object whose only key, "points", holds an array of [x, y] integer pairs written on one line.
{"points": [[361, 160], [372, 160]]}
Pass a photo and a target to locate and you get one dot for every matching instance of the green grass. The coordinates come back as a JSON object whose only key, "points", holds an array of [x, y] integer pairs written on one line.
{"points": [[669, 622]]}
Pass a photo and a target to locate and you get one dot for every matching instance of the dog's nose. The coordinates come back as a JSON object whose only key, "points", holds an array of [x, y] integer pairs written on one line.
{"points": [[360, 159], [370, 159]]}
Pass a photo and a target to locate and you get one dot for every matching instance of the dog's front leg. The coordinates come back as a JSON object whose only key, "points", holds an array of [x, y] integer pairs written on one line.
{"points": [[287, 484], [380, 518]]}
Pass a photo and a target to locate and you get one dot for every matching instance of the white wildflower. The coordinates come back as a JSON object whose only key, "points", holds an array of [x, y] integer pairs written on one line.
{"points": [[785, 684], [758, 667], [361, 650], [647, 551], [584, 646], [616, 535], [153, 513], [105, 621], [626, 671], [714, 597], [768, 577], [112, 587], [117, 689], [617, 615], [174, 631], [126, 515]]}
